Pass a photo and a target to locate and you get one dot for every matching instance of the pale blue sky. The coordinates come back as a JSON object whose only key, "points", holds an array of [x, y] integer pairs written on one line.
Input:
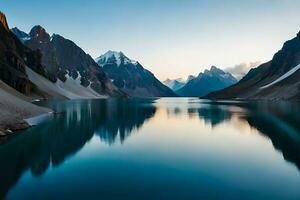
{"points": [[172, 38]]}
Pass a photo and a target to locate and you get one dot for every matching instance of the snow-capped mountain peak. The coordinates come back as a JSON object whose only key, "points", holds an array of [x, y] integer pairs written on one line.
{"points": [[114, 57]]}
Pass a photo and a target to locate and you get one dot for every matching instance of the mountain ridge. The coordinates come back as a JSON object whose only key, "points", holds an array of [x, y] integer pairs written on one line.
{"points": [[206, 82], [67, 61]]}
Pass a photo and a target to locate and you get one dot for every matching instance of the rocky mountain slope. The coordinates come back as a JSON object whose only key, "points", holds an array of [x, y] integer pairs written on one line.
{"points": [[67, 63], [206, 82], [14, 58], [131, 77], [276, 79], [15, 84]]}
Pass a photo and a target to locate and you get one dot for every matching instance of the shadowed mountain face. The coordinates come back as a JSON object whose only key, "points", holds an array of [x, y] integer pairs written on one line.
{"points": [[14, 57], [63, 59], [211, 80], [276, 79], [39, 39], [131, 77], [50, 144]]}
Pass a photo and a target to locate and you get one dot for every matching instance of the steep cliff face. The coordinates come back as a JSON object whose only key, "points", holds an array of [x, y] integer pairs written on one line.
{"points": [[3, 21], [14, 57], [39, 39]]}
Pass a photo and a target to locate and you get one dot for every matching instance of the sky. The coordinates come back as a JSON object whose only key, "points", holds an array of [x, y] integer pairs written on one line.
{"points": [[171, 38]]}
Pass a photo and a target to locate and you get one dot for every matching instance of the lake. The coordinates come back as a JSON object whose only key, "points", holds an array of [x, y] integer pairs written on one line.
{"points": [[168, 148]]}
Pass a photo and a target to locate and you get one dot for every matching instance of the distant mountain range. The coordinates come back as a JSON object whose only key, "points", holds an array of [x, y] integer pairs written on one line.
{"points": [[131, 77], [206, 82], [276, 79], [175, 84]]}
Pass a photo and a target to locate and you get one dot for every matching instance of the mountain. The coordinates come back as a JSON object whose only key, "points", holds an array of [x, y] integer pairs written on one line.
{"points": [[206, 82], [3, 21], [73, 72], [131, 77], [190, 78], [276, 79], [20, 34], [174, 84], [15, 84], [15, 58]]}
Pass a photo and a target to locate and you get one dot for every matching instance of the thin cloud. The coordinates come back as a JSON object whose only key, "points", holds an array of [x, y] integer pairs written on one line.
{"points": [[240, 70]]}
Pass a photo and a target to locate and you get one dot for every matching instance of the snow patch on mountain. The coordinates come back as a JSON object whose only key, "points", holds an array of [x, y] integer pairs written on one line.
{"points": [[284, 76], [71, 89]]}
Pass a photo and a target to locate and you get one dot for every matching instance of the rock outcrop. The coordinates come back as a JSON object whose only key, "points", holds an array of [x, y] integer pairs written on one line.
{"points": [[3, 21]]}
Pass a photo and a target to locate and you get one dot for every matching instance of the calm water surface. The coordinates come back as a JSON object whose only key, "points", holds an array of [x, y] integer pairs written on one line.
{"points": [[171, 148]]}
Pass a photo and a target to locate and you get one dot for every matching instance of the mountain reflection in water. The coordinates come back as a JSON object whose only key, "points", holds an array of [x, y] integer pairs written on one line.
{"points": [[279, 121], [78, 121]]}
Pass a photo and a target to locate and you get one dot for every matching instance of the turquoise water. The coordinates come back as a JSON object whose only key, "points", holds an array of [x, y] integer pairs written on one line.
{"points": [[169, 148]]}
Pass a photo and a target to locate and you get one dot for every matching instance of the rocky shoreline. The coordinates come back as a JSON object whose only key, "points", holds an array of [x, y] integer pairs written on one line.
{"points": [[11, 129], [15, 108]]}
